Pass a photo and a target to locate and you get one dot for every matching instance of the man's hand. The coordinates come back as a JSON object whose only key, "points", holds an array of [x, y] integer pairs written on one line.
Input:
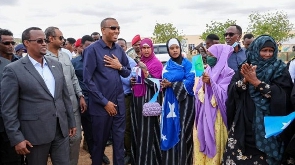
{"points": [[21, 148], [206, 78], [83, 104], [112, 62], [72, 132], [111, 108]]}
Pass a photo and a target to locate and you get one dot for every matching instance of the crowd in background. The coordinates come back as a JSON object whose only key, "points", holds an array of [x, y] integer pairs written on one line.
{"points": [[53, 89]]}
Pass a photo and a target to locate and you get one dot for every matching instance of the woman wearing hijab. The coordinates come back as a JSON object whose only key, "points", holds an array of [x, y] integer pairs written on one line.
{"points": [[261, 88], [145, 145], [178, 108], [211, 94]]}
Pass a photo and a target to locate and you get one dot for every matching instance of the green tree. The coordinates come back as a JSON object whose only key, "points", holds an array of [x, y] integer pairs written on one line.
{"points": [[217, 28], [163, 32], [275, 24]]}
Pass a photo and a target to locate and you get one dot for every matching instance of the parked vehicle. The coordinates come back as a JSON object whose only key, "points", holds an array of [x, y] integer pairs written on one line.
{"points": [[159, 49]]}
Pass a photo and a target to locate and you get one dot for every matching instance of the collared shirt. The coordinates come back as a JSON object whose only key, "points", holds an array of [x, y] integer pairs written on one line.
{"points": [[68, 53], [236, 59], [45, 73], [14, 58], [292, 70], [104, 83], [78, 66], [126, 81], [70, 77]]}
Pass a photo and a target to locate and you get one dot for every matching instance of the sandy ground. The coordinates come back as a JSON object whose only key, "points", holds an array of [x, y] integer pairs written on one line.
{"points": [[84, 157]]}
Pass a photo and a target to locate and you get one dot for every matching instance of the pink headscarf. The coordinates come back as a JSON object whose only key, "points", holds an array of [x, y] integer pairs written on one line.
{"points": [[154, 66]]}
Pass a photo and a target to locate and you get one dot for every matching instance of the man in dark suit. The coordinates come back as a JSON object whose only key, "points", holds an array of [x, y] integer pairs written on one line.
{"points": [[7, 153], [36, 107]]}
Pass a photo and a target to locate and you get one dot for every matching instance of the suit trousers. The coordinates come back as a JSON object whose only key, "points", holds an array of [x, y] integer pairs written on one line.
{"points": [[87, 127], [58, 150], [76, 140], [101, 127], [127, 136]]}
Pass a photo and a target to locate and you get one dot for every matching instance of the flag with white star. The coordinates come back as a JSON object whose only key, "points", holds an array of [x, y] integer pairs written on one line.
{"points": [[170, 124], [274, 125]]}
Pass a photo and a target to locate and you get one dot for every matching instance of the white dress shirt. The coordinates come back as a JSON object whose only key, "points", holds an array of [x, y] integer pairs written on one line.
{"points": [[292, 69], [45, 73]]}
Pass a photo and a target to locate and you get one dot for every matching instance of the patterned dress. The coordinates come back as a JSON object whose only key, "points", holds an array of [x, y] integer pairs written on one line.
{"points": [[145, 132], [182, 153], [220, 135]]}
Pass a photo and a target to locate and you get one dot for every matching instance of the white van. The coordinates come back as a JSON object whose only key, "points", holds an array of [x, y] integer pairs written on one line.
{"points": [[159, 49]]}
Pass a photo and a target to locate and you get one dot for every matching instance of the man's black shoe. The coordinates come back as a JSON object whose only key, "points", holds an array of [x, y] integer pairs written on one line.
{"points": [[105, 159], [109, 142], [127, 160]]}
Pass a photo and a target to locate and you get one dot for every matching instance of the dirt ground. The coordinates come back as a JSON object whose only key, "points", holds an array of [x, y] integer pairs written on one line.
{"points": [[84, 157]]}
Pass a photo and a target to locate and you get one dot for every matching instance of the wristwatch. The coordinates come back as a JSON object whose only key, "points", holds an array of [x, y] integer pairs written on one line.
{"points": [[121, 67], [82, 96]]}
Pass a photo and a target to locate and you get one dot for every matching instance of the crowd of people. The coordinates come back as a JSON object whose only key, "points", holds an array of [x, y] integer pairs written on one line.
{"points": [[53, 89]]}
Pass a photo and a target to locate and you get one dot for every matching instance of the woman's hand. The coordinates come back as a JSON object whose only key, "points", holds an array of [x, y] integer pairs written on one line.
{"points": [[206, 78], [132, 80], [165, 83], [249, 73]]}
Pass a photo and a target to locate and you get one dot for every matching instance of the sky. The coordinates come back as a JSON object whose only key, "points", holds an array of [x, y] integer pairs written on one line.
{"points": [[76, 18]]}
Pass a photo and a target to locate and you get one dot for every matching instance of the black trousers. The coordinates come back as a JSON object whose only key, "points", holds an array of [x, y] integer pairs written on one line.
{"points": [[8, 156]]}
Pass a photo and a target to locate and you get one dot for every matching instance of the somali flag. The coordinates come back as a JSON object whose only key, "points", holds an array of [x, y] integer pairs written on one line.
{"points": [[198, 65], [170, 124], [274, 125]]}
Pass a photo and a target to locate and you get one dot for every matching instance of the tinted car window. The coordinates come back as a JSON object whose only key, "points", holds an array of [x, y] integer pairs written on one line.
{"points": [[162, 49]]}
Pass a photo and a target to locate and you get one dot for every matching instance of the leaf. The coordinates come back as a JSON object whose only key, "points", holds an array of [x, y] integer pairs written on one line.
{"points": [[164, 31], [275, 24]]}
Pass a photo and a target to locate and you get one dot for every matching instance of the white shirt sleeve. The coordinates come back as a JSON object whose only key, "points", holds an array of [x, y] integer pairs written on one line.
{"points": [[292, 70]]}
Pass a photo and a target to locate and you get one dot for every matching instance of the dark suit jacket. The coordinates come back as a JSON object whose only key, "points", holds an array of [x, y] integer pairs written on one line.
{"points": [[29, 110], [3, 63]]}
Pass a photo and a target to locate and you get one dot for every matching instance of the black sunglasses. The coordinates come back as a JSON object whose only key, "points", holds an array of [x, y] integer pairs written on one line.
{"points": [[113, 27], [229, 34], [8, 43], [39, 41], [60, 37]]}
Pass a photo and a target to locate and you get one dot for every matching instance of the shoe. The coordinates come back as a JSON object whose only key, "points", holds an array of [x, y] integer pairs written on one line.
{"points": [[127, 160], [105, 159], [109, 142]]}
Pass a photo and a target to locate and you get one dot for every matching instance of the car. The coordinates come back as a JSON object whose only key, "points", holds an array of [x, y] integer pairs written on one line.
{"points": [[159, 49]]}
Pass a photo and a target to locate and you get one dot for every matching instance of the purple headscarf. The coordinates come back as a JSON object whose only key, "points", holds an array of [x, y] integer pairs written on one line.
{"points": [[220, 77], [154, 66]]}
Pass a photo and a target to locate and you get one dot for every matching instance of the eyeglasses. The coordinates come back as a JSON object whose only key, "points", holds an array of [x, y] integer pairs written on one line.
{"points": [[113, 27], [229, 34], [39, 41], [60, 37], [8, 43]]}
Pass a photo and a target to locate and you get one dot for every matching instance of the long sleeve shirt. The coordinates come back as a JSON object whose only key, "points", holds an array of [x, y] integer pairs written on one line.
{"points": [[70, 76], [126, 81], [236, 59], [104, 83]]}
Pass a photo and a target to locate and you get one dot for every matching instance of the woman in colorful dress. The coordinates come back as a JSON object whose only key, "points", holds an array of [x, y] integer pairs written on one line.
{"points": [[145, 136], [178, 108], [262, 87], [211, 94]]}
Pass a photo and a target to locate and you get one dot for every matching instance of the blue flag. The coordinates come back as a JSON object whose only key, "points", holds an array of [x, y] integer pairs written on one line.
{"points": [[274, 125], [170, 124], [198, 65]]}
